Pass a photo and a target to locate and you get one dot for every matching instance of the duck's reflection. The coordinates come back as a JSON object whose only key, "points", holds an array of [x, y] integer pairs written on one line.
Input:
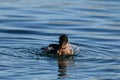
{"points": [[63, 63]]}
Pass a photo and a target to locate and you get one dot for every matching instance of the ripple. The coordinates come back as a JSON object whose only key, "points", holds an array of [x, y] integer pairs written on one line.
{"points": [[8, 8], [91, 25], [12, 20], [15, 31], [92, 10]]}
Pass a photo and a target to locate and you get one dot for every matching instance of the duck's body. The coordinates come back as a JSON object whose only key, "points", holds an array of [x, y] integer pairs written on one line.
{"points": [[63, 48]]}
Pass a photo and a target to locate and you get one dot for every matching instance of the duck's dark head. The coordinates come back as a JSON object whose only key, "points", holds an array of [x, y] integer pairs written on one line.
{"points": [[63, 39]]}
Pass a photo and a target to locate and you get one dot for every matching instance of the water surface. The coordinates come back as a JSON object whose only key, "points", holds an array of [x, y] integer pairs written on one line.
{"points": [[28, 25]]}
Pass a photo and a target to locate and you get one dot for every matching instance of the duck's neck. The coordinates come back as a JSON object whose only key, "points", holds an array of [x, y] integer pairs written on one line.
{"points": [[63, 46]]}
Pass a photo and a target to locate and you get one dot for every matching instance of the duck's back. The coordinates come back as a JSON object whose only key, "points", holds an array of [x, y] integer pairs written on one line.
{"points": [[52, 48]]}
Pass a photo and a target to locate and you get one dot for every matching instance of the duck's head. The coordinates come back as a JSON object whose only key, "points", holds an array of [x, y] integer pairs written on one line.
{"points": [[63, 40]]}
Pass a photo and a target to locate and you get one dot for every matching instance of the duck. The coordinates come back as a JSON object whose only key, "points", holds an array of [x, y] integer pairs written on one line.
{"points": [[62, 48]]}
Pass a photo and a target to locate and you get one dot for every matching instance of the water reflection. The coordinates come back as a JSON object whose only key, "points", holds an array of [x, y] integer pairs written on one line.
{"points": [[63, 64]]}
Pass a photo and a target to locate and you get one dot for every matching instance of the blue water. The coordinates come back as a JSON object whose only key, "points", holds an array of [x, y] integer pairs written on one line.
{"points": [[27, 25]]}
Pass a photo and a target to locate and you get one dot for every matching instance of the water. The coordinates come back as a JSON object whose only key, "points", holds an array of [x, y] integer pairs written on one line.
{"points": [[28, 25]]}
